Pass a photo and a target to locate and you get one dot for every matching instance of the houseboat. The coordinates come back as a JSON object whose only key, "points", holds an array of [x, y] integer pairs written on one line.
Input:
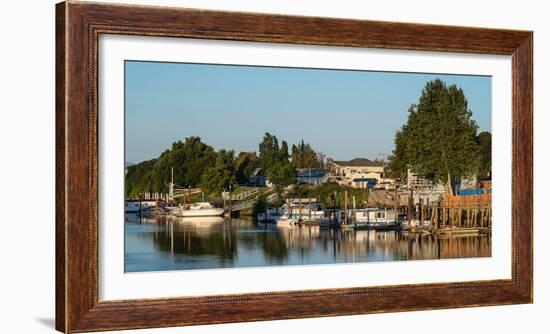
{"points": [[374, 218], [285, 220], [360, 219]]}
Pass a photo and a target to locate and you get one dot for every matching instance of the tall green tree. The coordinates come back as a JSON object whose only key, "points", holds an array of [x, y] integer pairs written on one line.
{"points": [[222, 175], [282, 173], [245, 163], [303, 156], [138, 177], [268, 150], [484, 141], [275, 161], [397, 160], [439, 138]]}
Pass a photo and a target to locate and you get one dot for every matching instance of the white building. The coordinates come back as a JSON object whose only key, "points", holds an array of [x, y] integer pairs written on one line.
{"points": [[414, 180], [358, 173]]}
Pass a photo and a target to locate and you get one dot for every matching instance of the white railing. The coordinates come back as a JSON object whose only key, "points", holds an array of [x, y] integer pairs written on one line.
{"points": [[243, 205], [245, 194]]}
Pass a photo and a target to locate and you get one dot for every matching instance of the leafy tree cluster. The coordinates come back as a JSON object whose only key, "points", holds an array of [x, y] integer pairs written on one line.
{"points": [[197, 164], [220, 176], [275, 161], [303, 156], [440, 137], [245, 164], [138, 177], [484, 141], [189, 159]]}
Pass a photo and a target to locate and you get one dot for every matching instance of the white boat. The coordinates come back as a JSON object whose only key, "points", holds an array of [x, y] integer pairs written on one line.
{"points": [[375, 219], [199, 209], [286, 220], [136, 206]]}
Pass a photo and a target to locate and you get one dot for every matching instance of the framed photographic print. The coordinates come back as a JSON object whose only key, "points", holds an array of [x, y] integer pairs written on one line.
{"points": [[222, 166]]}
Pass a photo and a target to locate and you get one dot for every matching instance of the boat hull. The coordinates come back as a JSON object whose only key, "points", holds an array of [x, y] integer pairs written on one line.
{"points": [[391, 226], [200, 213]]}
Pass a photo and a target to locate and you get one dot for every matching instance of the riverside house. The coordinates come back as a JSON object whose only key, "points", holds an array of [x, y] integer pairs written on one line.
{"points": [[258, 178], [357, 173], [312, 176]]}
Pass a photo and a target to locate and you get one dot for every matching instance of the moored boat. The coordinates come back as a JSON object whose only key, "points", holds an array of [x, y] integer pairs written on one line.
{"points": [[137, 206], [199, 209], [375, 219], [286, 220]]}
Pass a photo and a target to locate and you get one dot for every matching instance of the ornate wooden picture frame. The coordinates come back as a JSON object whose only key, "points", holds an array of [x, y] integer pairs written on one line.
{"points": [[78, 27]]}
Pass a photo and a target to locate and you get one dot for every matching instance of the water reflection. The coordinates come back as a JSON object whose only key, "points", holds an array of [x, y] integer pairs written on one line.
{"points": [[166, 243]]}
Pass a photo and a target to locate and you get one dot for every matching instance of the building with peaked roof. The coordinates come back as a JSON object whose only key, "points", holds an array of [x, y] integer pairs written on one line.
{"points": [[358, 172], [258, 178], [313, 176], [357, 162]]}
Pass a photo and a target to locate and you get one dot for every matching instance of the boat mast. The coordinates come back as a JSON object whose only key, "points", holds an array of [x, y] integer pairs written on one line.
{"points": [[171, 189]]}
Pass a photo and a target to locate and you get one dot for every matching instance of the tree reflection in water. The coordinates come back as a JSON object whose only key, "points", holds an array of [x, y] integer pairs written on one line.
{"points": [[167, 243]]}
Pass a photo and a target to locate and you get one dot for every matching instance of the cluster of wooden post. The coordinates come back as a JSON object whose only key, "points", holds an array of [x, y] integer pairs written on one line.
{"points": [[186, 199], [441, 217], [474, 216], [438, 215], [300, 211]]}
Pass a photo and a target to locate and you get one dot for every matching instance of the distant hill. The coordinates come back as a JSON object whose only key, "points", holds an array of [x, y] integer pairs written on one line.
{"points": [[128, 163]]}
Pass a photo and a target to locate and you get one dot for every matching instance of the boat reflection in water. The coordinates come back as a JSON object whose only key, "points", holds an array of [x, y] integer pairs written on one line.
{"points": [[168, 243]]}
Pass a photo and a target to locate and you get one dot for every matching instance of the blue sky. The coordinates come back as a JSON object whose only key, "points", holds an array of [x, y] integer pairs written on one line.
{"points": [[344, 114]]}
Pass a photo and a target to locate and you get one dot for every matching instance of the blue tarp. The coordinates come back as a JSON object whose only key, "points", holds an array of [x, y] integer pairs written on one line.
{"points": [[463, 192], [371, 182]]}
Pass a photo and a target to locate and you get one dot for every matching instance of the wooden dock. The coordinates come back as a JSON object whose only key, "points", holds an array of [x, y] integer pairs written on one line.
{"points": [[452, 216]]}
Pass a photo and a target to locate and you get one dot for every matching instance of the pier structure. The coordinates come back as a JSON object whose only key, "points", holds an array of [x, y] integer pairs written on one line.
{"points": [[450, 215]]}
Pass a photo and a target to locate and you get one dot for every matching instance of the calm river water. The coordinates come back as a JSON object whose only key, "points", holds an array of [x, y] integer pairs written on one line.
{"points": [[167, 243]]}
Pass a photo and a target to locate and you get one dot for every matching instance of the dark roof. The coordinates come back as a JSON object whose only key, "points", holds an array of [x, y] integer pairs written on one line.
{"points": [[357, 162], [313, 172], [257, 172]]}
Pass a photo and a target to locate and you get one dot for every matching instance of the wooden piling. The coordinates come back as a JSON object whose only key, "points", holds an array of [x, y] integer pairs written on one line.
{"points": [[345, 207], [299, 208], [409, 209], [289, 208], [421, 209], [335, 218], [354, 216], [309, 208], [396, 214]]}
